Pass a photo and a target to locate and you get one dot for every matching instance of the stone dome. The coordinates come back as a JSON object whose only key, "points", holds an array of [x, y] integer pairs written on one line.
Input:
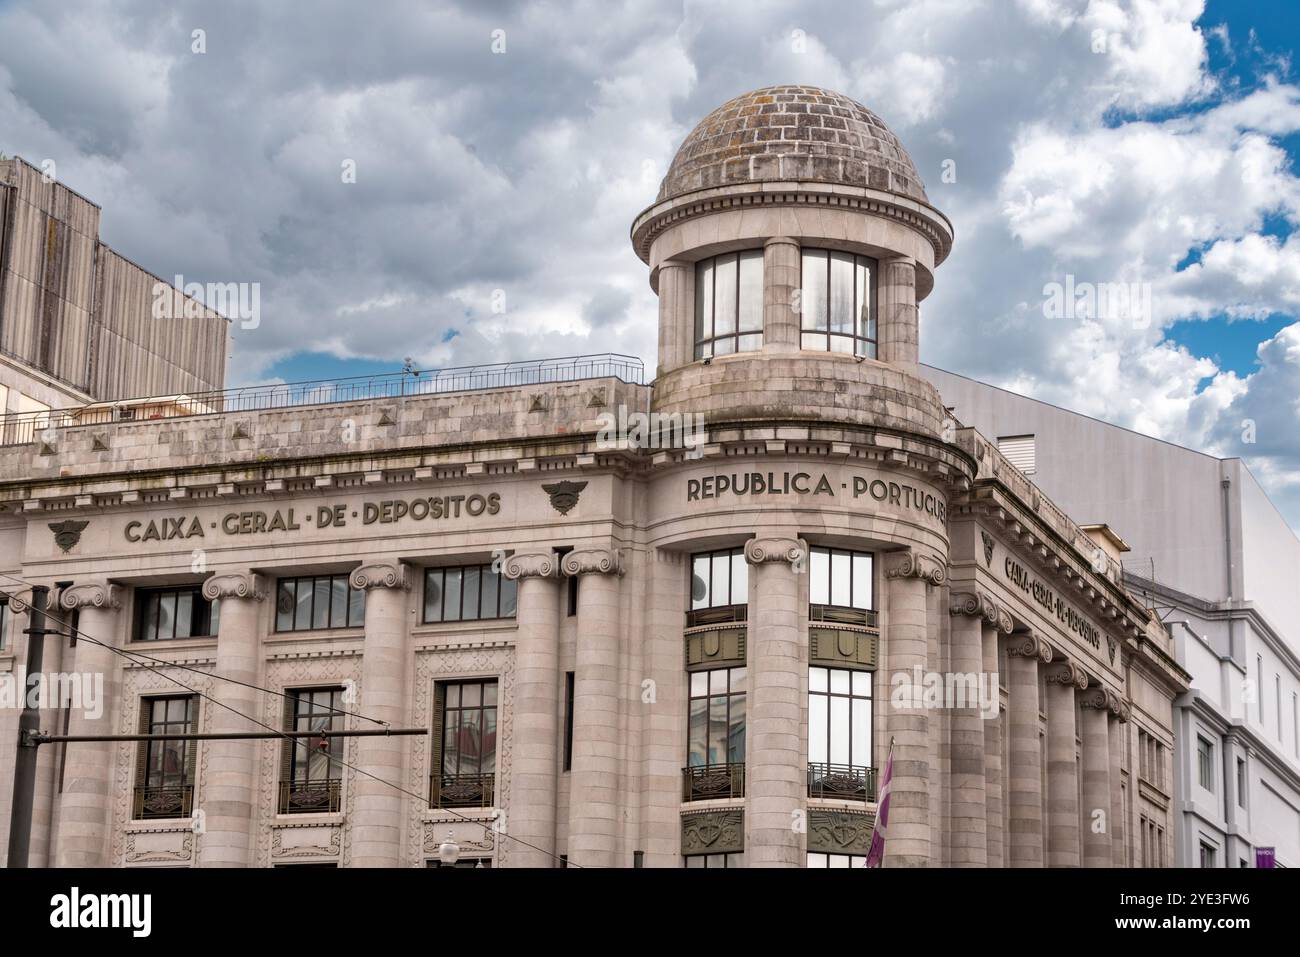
{"points": [[792, 134]]}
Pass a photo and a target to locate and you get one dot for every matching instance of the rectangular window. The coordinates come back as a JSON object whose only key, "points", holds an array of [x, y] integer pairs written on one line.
{"points": [[467, 593], [716, 723], [840, 579], [465, 749], [1207, 855], [6, 626], [317, 603], [312, 769], [1205, 763], [1241, 782], [729, 304], [836, 860], [1019, 451], [713, 860], [165, 769], [182, 612], [568, 720], [719, 586], [1259, 688], [837, 303], [1277, 693], [477, 862], [839, 734]]}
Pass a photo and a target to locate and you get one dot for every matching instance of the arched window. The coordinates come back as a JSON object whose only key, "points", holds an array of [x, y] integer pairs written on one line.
{"points": [[838, 303], [729, 304]]}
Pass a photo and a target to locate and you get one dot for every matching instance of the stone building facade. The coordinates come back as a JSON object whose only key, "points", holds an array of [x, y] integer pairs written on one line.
{"points": [[630, 642]]}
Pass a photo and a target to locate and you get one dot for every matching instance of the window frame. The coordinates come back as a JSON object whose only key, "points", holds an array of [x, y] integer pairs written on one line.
{"points": [[831, 552], [292, 751], [730, 695], [735, 558], [705, 346], [354, 602], [1205, 763], [147, 750], [6, 624], [870, 343], [438, 745], [202, 612], [504, 586], [855, 700]]}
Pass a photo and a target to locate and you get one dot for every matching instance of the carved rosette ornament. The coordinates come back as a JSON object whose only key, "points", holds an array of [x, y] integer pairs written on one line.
{"points": [[1027, 645], [592, 561], [379, 575], [1067, 673], [92, 595], [914, 564], [532, 565], [247, 586], [760, 550]]}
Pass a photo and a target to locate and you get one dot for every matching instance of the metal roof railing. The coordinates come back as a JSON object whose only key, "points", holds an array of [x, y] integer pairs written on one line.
{"points": [[21, 428]]}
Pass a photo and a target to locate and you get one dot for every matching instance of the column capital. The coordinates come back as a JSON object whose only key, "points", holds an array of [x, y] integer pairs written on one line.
{"points": [[911, 563], [760, 550], [1027, 645], [980, 604], [19, 605], [91, 595], [247, 585], [1067, 673], [540, 564], [1097, 698], [592, 561], [379, 575]]}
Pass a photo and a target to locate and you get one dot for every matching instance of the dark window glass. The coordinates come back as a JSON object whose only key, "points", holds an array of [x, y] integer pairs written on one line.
{"points": [[568, 720], [183, 612], [729, 304], [716, 717], [467, 593], [312, 769], [837, 302], [165, 770], [318, 603]]}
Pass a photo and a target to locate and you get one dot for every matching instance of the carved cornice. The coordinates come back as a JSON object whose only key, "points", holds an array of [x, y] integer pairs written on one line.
{"points": [[1028, 645], [379, 575], [760, 550], [247, 585], [592, 561], [91, 595], [911, 563], [532, 565], [1066, 673], [981, 604]]}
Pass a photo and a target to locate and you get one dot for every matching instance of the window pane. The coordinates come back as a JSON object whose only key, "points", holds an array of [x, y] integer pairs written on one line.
{"points": [[862, 684], [150, 629], [704, 302], [488, 750], [819, 582], [470, 593], [700, 581], [736, 736], [751, 291], [167, 615], [842, 299], [718, 681], [839, 681], [721, 579], [453, 696], [699, 684], [813, 298], [724, 346], [284, 603], [488, 604], [817, 680], [839, 730], [302, 615], [815, 340], [841, 579], [738, 676], [862, 597], [739, 578], [750, 343], [842, 344], [184, 614], [470, 740], [861, 733], [866, 321], [356, 607], [338, 601], [214, 620], [718, 728], [724, 295], [433, 595], [471, 696], [697, 746], [450, 751], [508, 592], [817, 715], [817, 860], [451, 598], [320, 617]]}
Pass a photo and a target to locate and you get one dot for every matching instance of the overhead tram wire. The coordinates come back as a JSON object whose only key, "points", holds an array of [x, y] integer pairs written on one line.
{"points": [[81, 635]]}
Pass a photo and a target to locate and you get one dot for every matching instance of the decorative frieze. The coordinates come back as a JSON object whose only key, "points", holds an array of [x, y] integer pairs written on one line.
{"points": [[839, 832], [843, 648], [713, 832], [715, 648]]}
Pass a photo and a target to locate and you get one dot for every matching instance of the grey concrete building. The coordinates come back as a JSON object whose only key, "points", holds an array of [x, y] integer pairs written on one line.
{"points": [[1209, 551], [670, 623]]}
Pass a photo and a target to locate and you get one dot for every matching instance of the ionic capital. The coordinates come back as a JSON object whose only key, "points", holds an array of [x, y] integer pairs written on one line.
{"points": [[592, 561], [760, 550], [1066, 673], [911, 563], [1029, 645], [982, 605], [248, 586], [91, 595], [1097, 698], [379, 575], [545, 564]]}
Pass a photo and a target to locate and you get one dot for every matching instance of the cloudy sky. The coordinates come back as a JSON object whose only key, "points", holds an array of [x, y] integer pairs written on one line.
{"points": [[501, 151]]}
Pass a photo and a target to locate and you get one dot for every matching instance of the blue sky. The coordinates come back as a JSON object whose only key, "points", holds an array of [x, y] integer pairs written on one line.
{"points": [[488, 220]]}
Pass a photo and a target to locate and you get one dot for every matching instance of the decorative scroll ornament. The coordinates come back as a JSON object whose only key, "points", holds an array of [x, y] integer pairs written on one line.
{"points": [[564, 495], [981, 604], [379, 575], [532, 565], [67, 533], [249, 586], [839, 832], [592, 561], [1027, 645], [913, 564], [713, 832], [760, 550], [1067, 673], [91, 595], [1097, 698]]}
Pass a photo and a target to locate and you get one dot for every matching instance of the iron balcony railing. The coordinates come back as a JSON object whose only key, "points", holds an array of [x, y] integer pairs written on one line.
{"points": [[841, 782], [720, 615], [706, 782], [151, 802], [24, 427], [839, 615], [311, 797], [461, 790]]}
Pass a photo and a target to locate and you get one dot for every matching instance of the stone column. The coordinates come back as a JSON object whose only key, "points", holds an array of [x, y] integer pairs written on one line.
{"points": [[781, 277], [377, 820], [536, 745], [1024, 779], [1063, 680], [41, 850], [967, 809], [1098, 815], [993, 732], [898, 321], [775, 774], [676, 314], [230, 784], [1119, 822], [85, 813], [594, 797], [910, 841]]}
